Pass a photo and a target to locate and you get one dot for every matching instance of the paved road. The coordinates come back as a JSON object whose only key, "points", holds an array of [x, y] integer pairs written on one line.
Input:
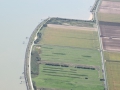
{"points": [[27, 63]]}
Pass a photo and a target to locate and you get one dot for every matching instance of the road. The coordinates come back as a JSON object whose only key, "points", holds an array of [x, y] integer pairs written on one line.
{"points": [[27, 62]]}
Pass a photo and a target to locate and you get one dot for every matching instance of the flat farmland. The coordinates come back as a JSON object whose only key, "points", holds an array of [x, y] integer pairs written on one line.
{"points": [[113, 75], [110, 33], [61, 78], [112, 56], [111, 44], [70, 55], [68, 58], [109, 22], [110, 7], [70, 37], [107, 17], [110, 29]]}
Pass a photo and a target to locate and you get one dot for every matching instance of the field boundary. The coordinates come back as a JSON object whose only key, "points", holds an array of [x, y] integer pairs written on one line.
{"points": [[101, 46]]}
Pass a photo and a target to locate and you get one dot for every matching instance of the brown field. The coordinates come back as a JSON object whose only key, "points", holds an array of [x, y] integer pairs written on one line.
{"points": [[109, 29], [110, 33], [111, 44], [110, 7], [112, 56], [107, 17], [113, 75], [70, 37]]}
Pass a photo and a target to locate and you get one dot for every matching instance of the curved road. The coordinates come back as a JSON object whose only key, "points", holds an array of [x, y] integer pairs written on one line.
{"points": [[27, 62]]}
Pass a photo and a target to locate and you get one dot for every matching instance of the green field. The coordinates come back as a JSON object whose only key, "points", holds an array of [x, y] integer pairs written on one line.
{"points": [[108, 17], [70, 55], [113, 71], [68, 78], [72, 38], [78, 49], [114, 56], [113, 75]]}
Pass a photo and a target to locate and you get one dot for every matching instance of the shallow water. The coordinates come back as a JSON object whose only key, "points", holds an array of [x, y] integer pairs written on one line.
{"points": [[18, 18]]}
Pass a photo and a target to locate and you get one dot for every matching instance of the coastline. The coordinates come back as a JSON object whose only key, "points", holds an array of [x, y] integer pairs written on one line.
{"points": [[90, 17]]}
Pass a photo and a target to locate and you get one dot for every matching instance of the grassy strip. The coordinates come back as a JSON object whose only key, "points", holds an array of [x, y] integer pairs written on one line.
{"points": [[70, 55]]}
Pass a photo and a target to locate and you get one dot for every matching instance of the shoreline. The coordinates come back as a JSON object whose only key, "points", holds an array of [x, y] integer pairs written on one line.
{"points": [[90, 17]]}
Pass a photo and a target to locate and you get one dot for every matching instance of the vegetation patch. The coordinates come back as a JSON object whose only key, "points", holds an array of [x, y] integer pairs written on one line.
{"points": [[113, 73], [35, 65], [112, 56], [64, 79], [67, 58], [73, 22], [70, 55], [35, 59], [72, 38], [108, 17]]}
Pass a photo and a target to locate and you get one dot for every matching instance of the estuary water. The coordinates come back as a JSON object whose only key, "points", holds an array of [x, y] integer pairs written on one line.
{"points": [[18, 18]]}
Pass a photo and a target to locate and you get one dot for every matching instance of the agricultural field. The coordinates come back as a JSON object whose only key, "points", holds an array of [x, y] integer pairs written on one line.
{"points": [[109, 11], [111, 44], [112, 62], [67, 58], [68, 78], [70, 37], [109, 22], [110, 29], [110, 34], [110, 7], [70, 55], [113, 75], [107, 17], [113, 56]]}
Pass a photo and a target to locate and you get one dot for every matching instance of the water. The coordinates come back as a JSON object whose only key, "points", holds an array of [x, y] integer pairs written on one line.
{"points": [[18, 18]]}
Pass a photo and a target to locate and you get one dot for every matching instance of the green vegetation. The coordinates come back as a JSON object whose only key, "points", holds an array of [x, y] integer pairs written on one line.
{"points": [[72, 38], [113, 71], [70, 55], [34, 65], [108, 17], [113, 75], [66, 58], [35, 59], [113, 56], [73, 22], [68, 78]]}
